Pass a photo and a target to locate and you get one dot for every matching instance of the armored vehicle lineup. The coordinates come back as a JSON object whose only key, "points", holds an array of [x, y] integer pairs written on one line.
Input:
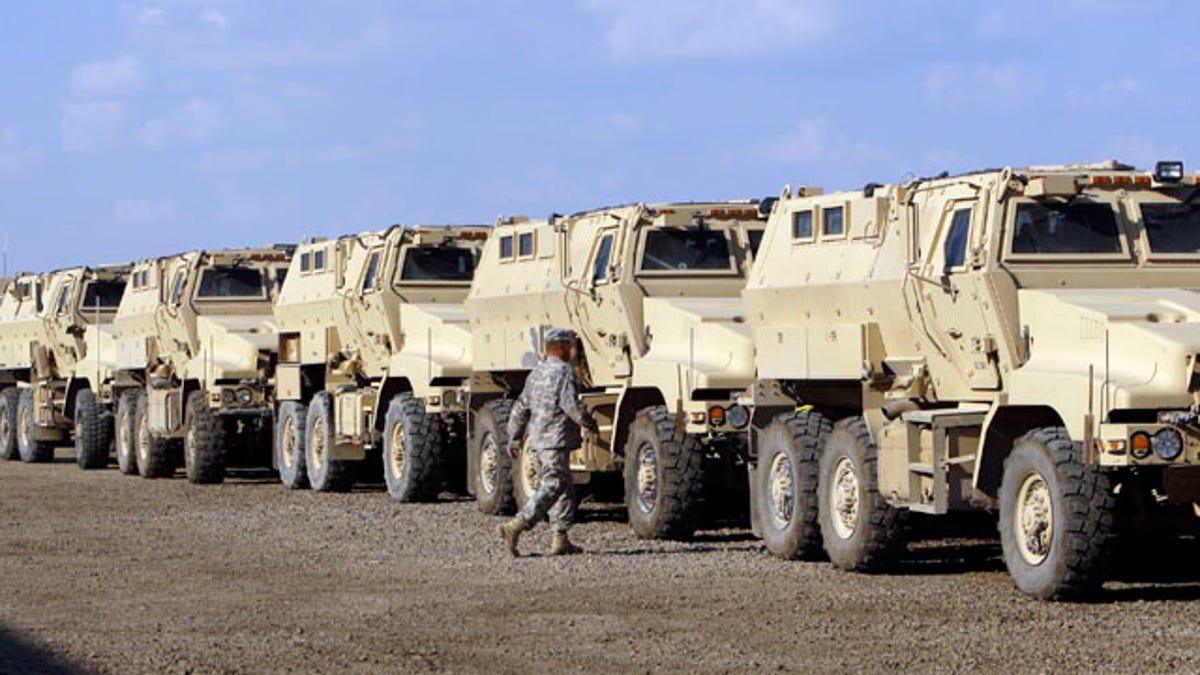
{"points": [[653, 293], [1013, 339], [374, 353]]}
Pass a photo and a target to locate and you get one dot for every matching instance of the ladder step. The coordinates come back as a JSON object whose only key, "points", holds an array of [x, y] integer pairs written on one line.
{"points": [[924, 469], [965, 459]]}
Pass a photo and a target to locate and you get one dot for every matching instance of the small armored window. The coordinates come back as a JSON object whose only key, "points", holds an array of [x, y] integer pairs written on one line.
{"points": [[802, 225], [177, 287], [371, 278], [145, 278], [319, 259], [64, 298], [955, 250], [525, 244], [833, 221], [506, 247], [755, 241], [305, 262], [603, 256]]}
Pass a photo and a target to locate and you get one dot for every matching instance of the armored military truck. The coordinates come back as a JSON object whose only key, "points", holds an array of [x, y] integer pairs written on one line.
{"points": [[195, 349], [653, 293], [1016, 339], [374, 354], [55, 363]]}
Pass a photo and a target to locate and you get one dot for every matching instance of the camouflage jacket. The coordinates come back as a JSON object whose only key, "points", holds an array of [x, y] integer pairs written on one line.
{"points": [[550, 408]]}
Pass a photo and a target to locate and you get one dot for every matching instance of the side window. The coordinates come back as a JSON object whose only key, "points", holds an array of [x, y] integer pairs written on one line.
{"points": [[756, 237], [305, 262], [319, 259], [506, 246], [64, 300], [371, 278], [955, 248], [177, 287], [525, 244], [802, 225], [603, 256], [833, 221]]}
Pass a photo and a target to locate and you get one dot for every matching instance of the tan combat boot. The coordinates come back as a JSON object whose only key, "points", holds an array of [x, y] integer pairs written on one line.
{"points": [[511, 531], [561, 545]]}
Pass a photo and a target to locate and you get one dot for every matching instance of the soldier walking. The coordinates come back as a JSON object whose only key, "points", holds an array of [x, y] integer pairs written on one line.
{"points": [[550, 411]]}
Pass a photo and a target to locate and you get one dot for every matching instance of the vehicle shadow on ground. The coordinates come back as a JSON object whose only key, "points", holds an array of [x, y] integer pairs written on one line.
{"points": [[18, 655]]}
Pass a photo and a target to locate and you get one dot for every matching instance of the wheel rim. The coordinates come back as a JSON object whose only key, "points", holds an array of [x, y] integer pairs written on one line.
{"points": [[124, 435], [287, 444], [782, 483], [647, 477], [189, 446], [530, 471], [143, 442], [397, 454], [5, 427], [23, 426], [843, 498], [1034, 519], [318, 443], [489, 464]]}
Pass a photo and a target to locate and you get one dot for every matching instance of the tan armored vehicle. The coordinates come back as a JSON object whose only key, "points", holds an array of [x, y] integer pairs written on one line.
{"points": [[56, 353], [653, 292], [374, 354], [1019, 339], [195, 355]]}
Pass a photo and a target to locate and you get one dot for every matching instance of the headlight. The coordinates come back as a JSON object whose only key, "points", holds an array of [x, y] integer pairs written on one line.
{"points": [[1139, 445], [449, 399], [228, 396], [738, 416], [716, 416], [1168, 444], [245, 396]]}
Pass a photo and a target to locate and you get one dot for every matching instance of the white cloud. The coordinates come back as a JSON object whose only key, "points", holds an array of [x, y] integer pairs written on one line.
{"points": [[90, 125], [1125, 85], [675, 28], [151, 16], [1012, 19], [105, 78], [814, 140], [980, 87], [212, 18], [145, 211], [14, 156], [197, 120]]}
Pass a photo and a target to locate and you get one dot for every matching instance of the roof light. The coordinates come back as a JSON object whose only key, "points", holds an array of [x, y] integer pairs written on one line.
{"points": [[1141, 180], [1168, 172]]}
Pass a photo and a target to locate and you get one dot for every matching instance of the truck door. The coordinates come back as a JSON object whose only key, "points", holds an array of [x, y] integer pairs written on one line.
{"points": [[367, 315], [951, 293], [602, 310], [172, 314], [66, 333]]}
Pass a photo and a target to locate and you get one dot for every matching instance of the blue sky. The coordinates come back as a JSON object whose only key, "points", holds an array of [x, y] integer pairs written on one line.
{"points": [[130, 129]]}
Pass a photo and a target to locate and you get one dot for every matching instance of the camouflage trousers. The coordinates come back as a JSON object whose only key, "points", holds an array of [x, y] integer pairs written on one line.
{"points": [[555, 496]]}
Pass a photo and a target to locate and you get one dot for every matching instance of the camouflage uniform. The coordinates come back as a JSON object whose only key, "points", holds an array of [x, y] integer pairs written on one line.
{"points": [[550, 409]]}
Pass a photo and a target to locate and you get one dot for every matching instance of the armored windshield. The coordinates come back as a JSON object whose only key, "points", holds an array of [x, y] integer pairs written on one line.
{"points": [[438, 263], [231, 283], [105, 294], [1065, 228], [678, 250], [1172, 227]]}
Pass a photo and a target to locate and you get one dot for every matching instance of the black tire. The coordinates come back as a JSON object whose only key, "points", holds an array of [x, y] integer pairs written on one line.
{"points": [[30, 449], [665, 502], [526, 476], [786, 489], [289, 445], [872, 537], [154, 458], [324, 474], [1046, 468], [411, 450], [9, 401], [489, 460], [203, 442], [125, 432], [93, 431]]}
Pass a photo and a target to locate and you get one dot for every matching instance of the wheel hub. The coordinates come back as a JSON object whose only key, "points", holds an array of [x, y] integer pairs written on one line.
{"points": [[1034, 519], [397, 450], [287, 444], [143, 443], [318, 443], [24, 427], [782, 482], [844, 498], [647, 477], [489, 464]]}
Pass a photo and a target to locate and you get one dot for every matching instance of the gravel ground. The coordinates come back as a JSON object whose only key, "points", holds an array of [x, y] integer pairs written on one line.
{"points": [[107, 573]]}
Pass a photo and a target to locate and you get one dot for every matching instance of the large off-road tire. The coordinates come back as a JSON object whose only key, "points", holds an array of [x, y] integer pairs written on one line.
{"points": [[30, 449], [526, 476], [663, 474], [125, 431], [9, 401], [154, 458], [203, 442], [411, 450], [786, 488], [324, 474], [860, 530], [490, 462], [93, 431], [289, 445], [1056, 517]]}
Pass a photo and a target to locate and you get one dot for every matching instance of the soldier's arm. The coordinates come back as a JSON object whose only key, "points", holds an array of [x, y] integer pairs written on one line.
{"points": [[569, 401], [519, 416]]}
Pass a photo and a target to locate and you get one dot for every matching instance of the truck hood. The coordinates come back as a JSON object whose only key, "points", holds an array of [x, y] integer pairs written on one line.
{"points": [[436, 343], [1140, 345], [706, 340], [230, 345]]}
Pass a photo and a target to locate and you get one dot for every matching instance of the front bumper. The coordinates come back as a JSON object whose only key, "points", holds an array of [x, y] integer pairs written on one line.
{"points": [[1116, 445]]}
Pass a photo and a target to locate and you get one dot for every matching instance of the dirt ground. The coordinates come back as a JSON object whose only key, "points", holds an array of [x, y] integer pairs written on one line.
{"points": [[106, 573]]}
